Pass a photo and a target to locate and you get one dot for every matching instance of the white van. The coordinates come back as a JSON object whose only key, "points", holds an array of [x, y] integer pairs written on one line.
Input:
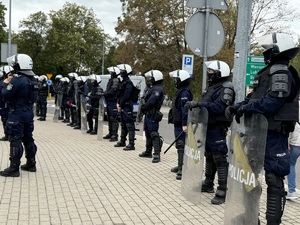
{"points": [[135, 80]]}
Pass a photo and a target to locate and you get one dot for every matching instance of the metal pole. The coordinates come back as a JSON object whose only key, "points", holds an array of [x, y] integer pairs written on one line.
{"points": [[9, 31], [242, 48], [102, 50], [205, 46]]}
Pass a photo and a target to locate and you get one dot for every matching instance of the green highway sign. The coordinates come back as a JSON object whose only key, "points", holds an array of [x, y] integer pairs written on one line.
{"points": [[254, 64]]}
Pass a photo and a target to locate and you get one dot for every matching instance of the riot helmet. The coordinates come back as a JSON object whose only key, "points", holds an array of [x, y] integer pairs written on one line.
{"points": [[113, 71], [58, 77], [181, 78], [277, 46], [65, 80], [21, 64], [216, 70], [81, 80], [95, 79], [43, 78], [72, 76], [125, 69], [155, 76], [5, 71]]}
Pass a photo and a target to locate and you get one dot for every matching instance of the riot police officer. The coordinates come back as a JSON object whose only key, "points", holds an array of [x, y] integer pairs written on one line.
{"points": [[72, 98], [275, 95], [65, 98], [125, 107], [219, 94], [110, 95], [178, 114], [151, 109], [4, 72], [42, 97], [20, 92], [57, 89], [94, 96]]}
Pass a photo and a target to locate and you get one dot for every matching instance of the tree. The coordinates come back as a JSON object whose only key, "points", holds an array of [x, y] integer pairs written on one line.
{"points": [[3, 34]]}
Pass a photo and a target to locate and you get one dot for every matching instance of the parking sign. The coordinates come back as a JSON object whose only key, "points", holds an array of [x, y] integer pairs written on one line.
{"points": [[188, 63]]}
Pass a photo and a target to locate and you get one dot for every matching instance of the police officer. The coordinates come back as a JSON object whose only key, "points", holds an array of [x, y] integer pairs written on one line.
{"points": [[20, 92], [72, 98], [65, 98], [275, 95], [57, 89], [142, 100], [82, 90], [219, 94], [94, 96], [4, 72], [151, 109], [125, 107], [42, 97], [110, 95], [178, 114]]}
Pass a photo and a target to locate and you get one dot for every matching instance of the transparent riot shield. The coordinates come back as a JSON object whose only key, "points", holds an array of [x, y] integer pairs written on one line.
{"points": [[194, 155], [246, 160], [57, 107], [83, 114], [100, 119]]}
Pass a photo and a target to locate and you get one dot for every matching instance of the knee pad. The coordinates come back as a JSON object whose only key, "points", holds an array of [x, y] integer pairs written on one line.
{"points": [[154, 134], [180, 144], [220, 159], [130, 126]]}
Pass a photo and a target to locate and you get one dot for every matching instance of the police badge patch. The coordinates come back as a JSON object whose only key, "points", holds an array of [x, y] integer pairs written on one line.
{"points": [[9, 87]]}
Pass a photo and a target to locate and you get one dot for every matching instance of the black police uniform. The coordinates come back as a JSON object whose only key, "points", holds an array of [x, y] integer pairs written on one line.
{"points": [[178, 116], [3, 112], [111, 105], [20, 95], [275, 95], [151, 109], [42, 99], [127, 119]]}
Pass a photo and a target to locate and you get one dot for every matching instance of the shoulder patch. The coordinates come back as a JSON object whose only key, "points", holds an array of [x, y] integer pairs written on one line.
{"points": [[9, 87]]}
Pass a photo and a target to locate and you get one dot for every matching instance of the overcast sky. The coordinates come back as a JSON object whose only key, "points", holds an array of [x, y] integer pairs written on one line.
{"points": [[107, 11]]}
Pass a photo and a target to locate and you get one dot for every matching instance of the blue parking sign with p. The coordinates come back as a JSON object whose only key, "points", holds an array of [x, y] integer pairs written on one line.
{"points": [[187, 63]]}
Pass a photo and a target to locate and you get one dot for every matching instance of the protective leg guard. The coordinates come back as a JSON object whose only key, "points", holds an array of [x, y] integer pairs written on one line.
{"points": [[156, 158], [114, 130], [90, 124], [275, 198], [180, 163], [122, 142], [131, 137], [208, 183], [157, 146], [148, 152], [30, 151]]}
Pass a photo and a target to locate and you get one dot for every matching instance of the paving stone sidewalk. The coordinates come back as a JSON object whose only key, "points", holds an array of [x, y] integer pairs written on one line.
{"points": [[80, 180]]}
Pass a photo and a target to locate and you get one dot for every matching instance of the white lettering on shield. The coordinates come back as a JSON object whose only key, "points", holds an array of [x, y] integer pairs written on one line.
{"points": [[242, 176], [192, 153]]}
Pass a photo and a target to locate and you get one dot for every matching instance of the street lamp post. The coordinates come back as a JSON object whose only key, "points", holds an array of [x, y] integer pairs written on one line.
{"points": [[9, 31], [102, 50]]}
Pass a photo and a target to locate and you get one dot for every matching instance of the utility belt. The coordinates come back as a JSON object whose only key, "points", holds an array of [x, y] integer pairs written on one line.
{"points": [[157, 115], [24, 109]]}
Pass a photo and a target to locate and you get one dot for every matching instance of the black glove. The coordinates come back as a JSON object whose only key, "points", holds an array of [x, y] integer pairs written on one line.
{"points": [[191, 104], [230, 111], [238, 115]]}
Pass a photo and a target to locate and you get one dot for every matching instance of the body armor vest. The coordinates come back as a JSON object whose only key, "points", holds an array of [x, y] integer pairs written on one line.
{"points": [[207, 97], [284, 119]]}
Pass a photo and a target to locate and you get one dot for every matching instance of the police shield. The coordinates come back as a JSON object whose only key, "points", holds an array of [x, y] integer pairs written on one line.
{"points": [[83, 111], [246, 160], [100, 119], [57, 107], [194, 155]]}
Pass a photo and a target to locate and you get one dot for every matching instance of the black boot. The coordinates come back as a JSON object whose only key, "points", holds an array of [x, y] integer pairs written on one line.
{"points": [[131, 136], [29, 166], [210, 172], [89, 131], [5, 138], [120, 143], [157, 144], [179, 174], [146, 154], [113, 138], [11, 171], [114, 130], [174, 169], [219, 197], [180, 163], [156, 158], [94, 132], [129, 147], [107, 136]]}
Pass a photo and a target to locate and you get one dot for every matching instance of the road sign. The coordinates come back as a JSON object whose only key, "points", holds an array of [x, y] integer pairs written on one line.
{"points": [[188, 63], [254, 64], [215, 4], [195, 34], [49, 75], [49, 82]]}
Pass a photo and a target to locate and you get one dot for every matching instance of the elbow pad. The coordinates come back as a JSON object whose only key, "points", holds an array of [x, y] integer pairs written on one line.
{"points": [[280, 81], [228, 94]]}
